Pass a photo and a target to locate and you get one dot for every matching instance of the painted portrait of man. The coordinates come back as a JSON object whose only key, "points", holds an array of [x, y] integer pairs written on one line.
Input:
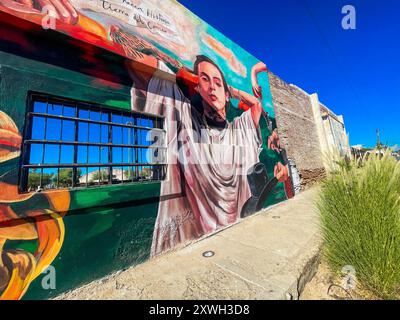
{"points": [[208, 157]]}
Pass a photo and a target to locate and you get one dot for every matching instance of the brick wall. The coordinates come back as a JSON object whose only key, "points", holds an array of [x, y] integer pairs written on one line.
{"points": [[297, 129]]}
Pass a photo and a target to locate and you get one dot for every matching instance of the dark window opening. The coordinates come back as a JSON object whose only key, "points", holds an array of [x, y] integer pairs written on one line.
{"points": [[71, 144]]}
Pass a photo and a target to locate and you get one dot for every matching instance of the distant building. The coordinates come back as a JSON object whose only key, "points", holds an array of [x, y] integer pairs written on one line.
{"points": [[335, 131], [331, 131], [358, 151], [118, 176]]}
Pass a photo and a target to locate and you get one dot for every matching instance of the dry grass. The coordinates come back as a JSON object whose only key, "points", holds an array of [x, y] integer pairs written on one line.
{"points": [[360, 211]]}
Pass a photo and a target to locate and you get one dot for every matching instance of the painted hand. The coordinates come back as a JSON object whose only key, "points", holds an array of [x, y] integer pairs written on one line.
{"points": [[274, 142], [257, 89], [62, 9], [281, 172]]}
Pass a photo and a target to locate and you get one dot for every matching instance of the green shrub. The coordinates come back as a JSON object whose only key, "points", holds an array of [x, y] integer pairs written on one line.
{"points": [[360, 211]]}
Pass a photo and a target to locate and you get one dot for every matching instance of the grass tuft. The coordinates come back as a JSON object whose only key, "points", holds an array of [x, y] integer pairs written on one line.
{"points": [[360, 210]]}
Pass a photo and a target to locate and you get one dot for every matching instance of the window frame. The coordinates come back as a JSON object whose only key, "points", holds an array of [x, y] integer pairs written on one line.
{"points": [[78, 105]]}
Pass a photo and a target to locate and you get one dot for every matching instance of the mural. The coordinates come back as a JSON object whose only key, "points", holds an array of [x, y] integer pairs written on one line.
{"points": [[224, 160], [209, 157], [18, 268]]}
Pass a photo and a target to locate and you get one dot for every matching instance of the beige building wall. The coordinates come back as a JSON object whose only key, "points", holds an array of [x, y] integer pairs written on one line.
{"points": [[331, 131], [335, 132]]}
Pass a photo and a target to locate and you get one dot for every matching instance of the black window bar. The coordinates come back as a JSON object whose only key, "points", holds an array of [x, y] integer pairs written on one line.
{"points": [[72, 144]]}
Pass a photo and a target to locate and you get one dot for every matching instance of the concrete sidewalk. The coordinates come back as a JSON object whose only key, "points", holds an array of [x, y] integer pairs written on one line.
{"points": [[270, 255]]}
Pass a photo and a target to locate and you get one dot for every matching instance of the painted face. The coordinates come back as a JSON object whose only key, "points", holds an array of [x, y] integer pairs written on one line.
{"points": [[211, 86]]}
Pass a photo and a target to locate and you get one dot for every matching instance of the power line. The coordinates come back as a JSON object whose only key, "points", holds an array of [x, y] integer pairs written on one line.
{"points": [[330, 49]]}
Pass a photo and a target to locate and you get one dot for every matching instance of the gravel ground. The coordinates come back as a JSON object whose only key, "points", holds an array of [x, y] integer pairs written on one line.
{"points": [[327, 286]]}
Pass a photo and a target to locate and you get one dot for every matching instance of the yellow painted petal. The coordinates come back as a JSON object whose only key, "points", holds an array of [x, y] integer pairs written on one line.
{"points": [[51, 234]]}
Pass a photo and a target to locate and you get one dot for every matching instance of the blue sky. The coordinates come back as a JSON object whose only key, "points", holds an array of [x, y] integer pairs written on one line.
{"points": [[355, 72]]}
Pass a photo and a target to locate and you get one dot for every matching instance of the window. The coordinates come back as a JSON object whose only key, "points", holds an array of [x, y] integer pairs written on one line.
{"points": [[70, 144]]}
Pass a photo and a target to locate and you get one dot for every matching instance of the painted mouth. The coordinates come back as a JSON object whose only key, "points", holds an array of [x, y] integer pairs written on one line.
{"points": [[213, 98]]}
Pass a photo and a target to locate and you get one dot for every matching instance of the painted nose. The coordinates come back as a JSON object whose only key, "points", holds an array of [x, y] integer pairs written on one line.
{"points": [[212, 86]]}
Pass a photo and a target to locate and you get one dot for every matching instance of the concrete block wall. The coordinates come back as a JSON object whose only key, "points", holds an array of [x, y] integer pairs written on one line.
{"points": [[298, 129], [335, 131]]}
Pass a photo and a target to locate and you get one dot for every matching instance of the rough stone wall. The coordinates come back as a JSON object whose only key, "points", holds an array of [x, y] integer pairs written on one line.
{"points": [[297, 129]]}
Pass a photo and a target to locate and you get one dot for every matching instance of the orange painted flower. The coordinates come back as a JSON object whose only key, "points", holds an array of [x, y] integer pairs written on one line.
{"points": [[10, 139], [18, 268]]}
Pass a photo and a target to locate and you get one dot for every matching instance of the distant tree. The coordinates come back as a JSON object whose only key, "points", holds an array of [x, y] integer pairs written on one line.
{"points": [[146, 173], [101, 176], [129, 174], [34, 179], [65, 177]]}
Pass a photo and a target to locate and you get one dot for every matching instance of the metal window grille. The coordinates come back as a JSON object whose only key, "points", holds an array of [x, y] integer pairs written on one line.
{"points": [[72, 144]]}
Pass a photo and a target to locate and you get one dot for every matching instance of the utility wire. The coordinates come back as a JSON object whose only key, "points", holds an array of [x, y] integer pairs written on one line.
{"points": [[330, 49]]}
